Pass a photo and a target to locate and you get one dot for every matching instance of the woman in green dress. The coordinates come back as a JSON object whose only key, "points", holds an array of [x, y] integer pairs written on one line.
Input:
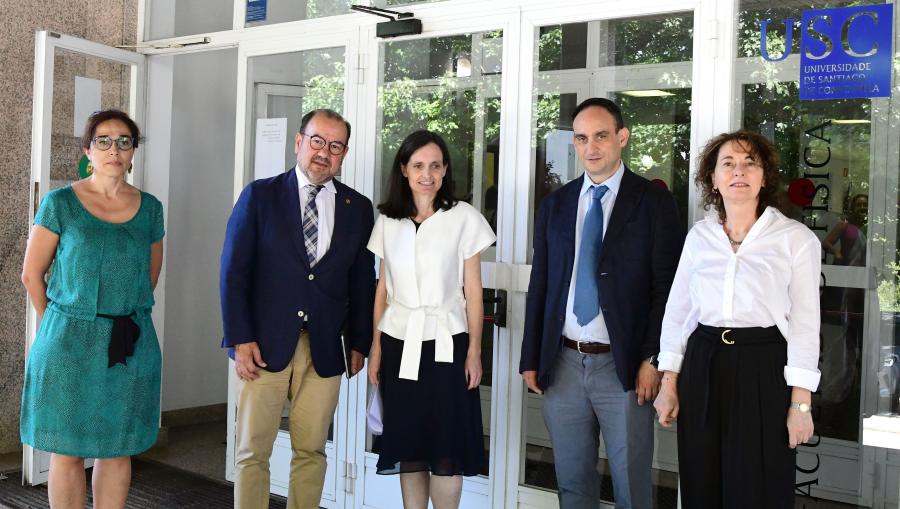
{"points": [[92, 378]]}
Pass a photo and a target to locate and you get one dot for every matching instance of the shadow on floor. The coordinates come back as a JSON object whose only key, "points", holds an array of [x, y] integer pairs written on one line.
{"points": [[198, 448], [187, 472], [153, 486]]}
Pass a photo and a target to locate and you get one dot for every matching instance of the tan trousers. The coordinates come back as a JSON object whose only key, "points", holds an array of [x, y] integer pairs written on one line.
{"points": [[259, 407]]}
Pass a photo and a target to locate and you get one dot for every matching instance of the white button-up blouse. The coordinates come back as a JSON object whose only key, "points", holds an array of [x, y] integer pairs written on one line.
{"points": [[423, 273], [772, 279]]}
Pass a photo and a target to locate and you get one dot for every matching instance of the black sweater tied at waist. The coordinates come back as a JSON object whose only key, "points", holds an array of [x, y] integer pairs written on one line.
{"points": [[125, 333]]}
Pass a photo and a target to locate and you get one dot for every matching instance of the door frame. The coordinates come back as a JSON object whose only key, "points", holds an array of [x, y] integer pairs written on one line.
{"points": [[440, 20], [327, 33], [707, 46], [36, 463]]}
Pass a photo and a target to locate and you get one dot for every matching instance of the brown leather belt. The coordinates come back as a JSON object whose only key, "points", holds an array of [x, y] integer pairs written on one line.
{"points": [[585, 347]]}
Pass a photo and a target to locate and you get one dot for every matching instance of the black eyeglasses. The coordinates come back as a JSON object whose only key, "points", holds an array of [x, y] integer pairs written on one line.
{"points": [[106, 142], [317, 142]]}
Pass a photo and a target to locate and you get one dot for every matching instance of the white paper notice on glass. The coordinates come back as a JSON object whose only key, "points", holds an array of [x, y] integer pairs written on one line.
{"points": [[271, 135], [87, 101]]}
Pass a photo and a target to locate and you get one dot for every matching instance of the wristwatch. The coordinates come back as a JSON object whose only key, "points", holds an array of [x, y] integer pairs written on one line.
{"points": [[654, 360], [803, 407]]}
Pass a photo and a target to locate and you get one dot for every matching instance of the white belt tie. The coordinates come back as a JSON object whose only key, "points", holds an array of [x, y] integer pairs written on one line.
{"points": [[414, 337]]}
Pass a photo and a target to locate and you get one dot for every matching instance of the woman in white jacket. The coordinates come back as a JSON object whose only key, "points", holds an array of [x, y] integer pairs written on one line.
{"points": [[426, 351]]}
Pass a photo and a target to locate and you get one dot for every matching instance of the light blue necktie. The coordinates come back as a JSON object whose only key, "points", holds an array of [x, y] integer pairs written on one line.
{"points": [[587, 294]]}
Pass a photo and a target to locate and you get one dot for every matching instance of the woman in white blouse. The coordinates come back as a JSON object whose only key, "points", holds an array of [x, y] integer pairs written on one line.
{"points": [[742, 328], [426, 352]]}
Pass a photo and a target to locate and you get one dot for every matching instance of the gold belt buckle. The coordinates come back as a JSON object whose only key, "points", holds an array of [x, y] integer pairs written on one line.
{"points": [[724, 340]]}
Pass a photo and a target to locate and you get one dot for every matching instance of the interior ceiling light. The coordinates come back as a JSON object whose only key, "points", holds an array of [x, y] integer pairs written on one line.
{"points": [[647, 93]]}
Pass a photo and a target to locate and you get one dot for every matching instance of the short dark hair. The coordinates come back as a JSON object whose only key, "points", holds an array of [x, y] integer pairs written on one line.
{"points": [[399, 203], [760, 149], [604, 103], [98, 117], [327, 113]]}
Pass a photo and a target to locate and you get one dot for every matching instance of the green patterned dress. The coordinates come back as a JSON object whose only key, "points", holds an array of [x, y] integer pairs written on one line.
{"points": [[72, 402]]}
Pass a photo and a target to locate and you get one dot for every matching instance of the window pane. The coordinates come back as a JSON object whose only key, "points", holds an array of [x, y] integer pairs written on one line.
{"points": [[660, 141], [450, 85], [554, 155], [287, 85], [69, 163], [839, 163], [655, 101], [650, 40], [436, 58], [281, 11], [177, 18], [887, 354], [836, 208], [563, 47]]}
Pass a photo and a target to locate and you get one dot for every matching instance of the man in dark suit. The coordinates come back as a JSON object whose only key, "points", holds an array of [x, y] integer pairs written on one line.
{"points": [[606, 246], [295, 276]]}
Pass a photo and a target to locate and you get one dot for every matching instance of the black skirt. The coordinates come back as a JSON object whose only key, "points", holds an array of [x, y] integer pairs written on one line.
{"points": [[732, 421], [431, 424]]}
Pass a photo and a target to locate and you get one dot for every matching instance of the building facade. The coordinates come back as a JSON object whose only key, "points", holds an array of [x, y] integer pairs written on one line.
{"points": [[219, 88]]}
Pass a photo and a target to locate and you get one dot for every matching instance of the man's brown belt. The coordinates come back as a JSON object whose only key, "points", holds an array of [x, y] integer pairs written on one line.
{"points": [[585, 347]]}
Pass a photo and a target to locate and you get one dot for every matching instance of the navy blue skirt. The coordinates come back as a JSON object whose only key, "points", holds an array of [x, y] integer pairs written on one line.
{"points": [[431, 424]]}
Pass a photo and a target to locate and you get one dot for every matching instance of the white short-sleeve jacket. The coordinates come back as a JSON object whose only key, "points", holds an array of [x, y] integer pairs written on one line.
{"points": [[423, 273]]}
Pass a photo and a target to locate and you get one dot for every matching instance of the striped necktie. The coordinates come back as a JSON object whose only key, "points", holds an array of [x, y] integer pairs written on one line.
{"points": [[311, 223]]}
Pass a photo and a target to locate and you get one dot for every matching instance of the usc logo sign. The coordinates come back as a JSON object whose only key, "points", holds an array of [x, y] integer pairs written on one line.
{"points": [[822, 34], [844, 52]]}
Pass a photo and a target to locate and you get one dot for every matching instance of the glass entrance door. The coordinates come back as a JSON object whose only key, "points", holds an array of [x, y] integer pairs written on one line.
{"points": [[73, 78], [278, 85], [450, 85], [644, 64], [830, 164]]}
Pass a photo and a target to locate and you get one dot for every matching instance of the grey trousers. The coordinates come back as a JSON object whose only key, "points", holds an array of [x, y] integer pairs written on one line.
{"points": [[585, 398]]}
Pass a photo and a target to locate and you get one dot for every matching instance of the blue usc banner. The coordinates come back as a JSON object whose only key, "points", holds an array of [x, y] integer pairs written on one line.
{"points": [[844, 52]]}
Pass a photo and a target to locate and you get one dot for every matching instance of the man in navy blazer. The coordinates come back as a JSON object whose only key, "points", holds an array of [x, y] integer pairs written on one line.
{"points": [[592, 331], [296, 283]]}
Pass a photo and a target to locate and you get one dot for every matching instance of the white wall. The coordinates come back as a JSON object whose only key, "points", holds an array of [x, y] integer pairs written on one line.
{"points": [[199, 16], [172, 18], [200, 201]]}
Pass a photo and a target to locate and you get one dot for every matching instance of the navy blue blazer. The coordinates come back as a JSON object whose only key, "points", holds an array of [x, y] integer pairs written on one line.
{"points": [[268, 288], [641, 248]]}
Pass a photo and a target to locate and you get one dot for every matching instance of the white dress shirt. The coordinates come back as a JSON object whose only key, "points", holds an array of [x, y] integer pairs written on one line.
{"points": [[325, 207], [595, 331], [772, 279], [423, 273]]}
